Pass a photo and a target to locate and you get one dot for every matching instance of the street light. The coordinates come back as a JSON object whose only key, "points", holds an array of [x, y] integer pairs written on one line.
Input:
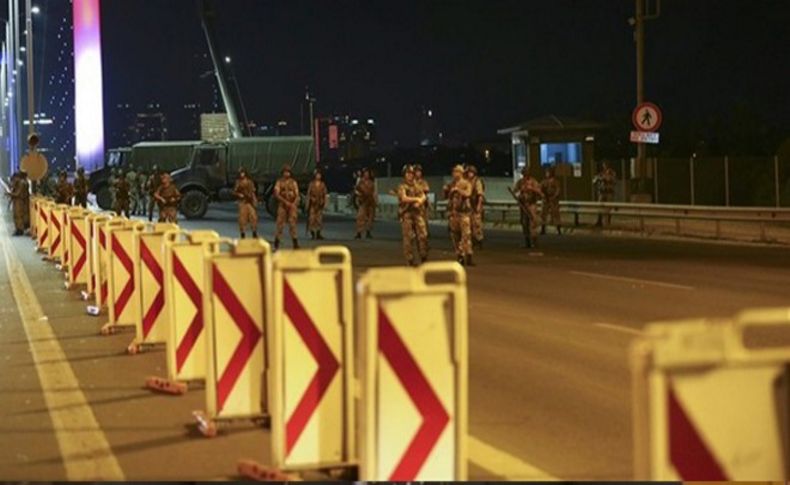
{"points": [[35, 10]]}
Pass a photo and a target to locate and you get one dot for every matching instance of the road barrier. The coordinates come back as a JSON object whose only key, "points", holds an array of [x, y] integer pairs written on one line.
{"points": [[79, 247], [33, 214], [98, 286], [55, 248], [237, 308], [124, 295], [413, 324], [712, 399], [311, 360], [186, 346], [151, 324], [42, 222]]}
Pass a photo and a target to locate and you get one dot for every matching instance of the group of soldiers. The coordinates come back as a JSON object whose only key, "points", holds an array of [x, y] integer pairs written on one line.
{"points": [[137, 193], [528, 192]]}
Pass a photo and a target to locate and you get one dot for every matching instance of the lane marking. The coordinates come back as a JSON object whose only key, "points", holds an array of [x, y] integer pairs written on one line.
{"points": [[620, 328], [502, 463], [625, 279], [86, 453]]}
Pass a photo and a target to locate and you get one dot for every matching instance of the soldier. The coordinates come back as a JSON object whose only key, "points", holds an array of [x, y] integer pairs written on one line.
{"points": [[604, 186], [168, 197], [365, 193], [286, 191], [459, 209], [248, 202], [142, 192], [527, 192], [9, 191], [81, 189], [20, 201], [411, 203], [63, 190], [478, 198], [419, 181], [112, 180], [134, 200], [122, 195], [152, 185], [316, 200], [551, 201]]}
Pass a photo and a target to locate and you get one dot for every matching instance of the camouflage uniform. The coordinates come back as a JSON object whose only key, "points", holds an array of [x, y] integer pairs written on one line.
{"points": [[551, 203], [152, 186], [63, 191], [316, 196], [366, 206], [412, 218], [458, 194], [286, 190], [248, 200], [134, 196], [477, 200], [142, 193], [168, 198], [604, 186], [20, 201], [121, 196], [81, 190], [422, 184], [528, 192]]}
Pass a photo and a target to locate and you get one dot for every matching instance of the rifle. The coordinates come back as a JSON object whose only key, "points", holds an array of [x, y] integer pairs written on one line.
{"points": [[522, 205]]}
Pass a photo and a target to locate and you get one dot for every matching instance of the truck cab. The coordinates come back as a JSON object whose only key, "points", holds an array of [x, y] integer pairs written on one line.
{"points": [[205, 179]]}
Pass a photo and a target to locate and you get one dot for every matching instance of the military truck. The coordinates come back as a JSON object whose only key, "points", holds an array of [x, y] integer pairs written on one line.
{"points": [[167, 156], [212, 172]]}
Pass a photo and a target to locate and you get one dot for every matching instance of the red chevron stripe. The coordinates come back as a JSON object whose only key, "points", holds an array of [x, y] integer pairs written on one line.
{"points": [[158, 304], [251, 336], [56, 242], [196, 326], [328, 367], [128, 289], [77, 268], [687, 450]]}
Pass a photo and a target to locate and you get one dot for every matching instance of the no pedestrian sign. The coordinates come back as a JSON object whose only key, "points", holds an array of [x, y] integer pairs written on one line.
{"points": [[647, 117]]}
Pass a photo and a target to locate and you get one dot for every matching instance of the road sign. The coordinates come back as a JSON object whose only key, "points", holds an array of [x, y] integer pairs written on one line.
{"points": [[35, 165], [644, 137], [79, 247], [706, 406], [413, 324], [124, 292], [311, 362], [647, 117], [237, 309]]}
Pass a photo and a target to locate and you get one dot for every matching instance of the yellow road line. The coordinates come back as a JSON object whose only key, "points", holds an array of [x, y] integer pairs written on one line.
{"points": [[86, 454], [503, 464]]}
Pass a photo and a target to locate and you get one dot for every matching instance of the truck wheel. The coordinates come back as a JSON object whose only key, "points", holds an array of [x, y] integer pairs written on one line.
{"points": [[104, 197], [194, 204]]}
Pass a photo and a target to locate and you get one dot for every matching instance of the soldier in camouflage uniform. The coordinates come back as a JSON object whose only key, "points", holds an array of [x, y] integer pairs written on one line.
{"points": [[551, 201], [286, 191], [81, 189], [63, 190], [122, 189], [527, 192], [134, 199], [365, 193], [248, 202], [111, 183], [411, 210], [152, 186], [459, 210], [167, 196], [604, 184], [478, 198], [142, 192], [20, 202], [316, 198]]}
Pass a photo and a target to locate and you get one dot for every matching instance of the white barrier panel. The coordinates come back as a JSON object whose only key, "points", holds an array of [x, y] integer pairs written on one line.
{"points": [[44, 209], [413, 324], [33, 214], [99, 284], [151, 324], [66, 236], [55, 248], [123, 299], [237, 307], [311, 359], [79, 247], [707, 407], [183, 283]]}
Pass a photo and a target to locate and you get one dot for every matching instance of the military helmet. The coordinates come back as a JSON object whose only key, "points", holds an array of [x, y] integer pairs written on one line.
{"points": [[524, 170], [471, 168], [458, 168], [407, 168], [81, 170], [243, 170], [417, 167], [62, 172], [286, 168], [155, 168]]}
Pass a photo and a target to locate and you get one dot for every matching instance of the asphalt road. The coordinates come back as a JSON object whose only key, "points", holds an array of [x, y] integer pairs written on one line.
{"points": [[549, 337]]}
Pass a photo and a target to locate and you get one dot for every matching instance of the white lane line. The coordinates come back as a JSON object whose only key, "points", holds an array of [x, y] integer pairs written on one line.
{"points": [[620, 328], [625, 279], [503, 464], [86, 454]]}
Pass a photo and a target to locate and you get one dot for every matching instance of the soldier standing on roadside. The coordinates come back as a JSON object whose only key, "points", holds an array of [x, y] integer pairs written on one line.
{"points": [[419, 180], [248, 203], [111, 184], [527, 192], [477, 201], [168, 197], [316, 198], [81, 189], [63, 190], [459, 209], [604, 184], [134, 200], [286, 191], [122, 195], [152, 186], [142, 192], [411, 209], [20, 202], [551, 201], [366, 198]]}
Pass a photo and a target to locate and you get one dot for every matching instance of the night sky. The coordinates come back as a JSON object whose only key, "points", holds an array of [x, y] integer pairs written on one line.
{"points": [[480, 64]]}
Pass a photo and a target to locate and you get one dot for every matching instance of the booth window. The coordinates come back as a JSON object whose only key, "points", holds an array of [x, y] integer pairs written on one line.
{"points": [[556, 153]]}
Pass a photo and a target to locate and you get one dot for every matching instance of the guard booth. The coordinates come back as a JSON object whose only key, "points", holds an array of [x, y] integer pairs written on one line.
{"points": [[567, 144]]}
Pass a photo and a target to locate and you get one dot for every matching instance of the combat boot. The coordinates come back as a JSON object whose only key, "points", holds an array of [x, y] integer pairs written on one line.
{"points": [[255, 234], [368, 235], [469, 261], [243, 235], [319, 236], [312, 235], [559, 230], [543, 230], [295, 243], [358, 236], [276, 244], [461, 260]]}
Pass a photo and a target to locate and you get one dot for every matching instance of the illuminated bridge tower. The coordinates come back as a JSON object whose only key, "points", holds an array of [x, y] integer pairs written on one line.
{"points": [[88, 89]]}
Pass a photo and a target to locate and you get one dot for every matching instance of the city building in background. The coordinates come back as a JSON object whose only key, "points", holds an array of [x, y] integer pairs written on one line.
{"points": [[341, 138]]}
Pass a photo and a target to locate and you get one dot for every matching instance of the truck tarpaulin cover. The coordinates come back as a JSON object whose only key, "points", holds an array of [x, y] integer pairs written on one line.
{"points": [[267, 155]]}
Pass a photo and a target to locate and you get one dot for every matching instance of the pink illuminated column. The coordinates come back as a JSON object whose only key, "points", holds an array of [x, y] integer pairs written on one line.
{"points": [[89, 113]]}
